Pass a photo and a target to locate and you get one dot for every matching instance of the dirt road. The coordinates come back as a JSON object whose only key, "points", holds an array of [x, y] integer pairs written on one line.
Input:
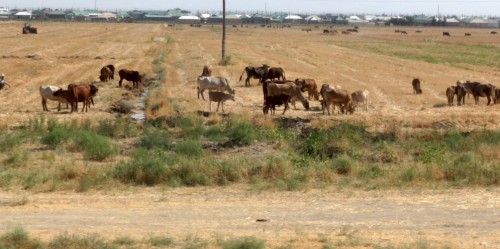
{"points": [[459, 218]]}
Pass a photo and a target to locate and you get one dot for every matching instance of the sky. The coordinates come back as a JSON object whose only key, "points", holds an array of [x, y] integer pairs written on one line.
{"points": [[406, 7]]}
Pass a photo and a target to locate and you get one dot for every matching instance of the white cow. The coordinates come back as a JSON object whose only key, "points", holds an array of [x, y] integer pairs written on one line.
{"points": [[47, 92], [360, 97], [213, 83]]}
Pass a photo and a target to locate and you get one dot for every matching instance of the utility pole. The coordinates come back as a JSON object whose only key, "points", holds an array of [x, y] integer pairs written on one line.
{"points": [[223, 30]]}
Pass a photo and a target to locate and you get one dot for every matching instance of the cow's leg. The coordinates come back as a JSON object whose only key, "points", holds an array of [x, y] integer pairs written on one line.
{"points": [[247, 81], [222, 103], [210, 103], [218, 103], [202, 96], [120, 82], [286, 107], [44, 105]]}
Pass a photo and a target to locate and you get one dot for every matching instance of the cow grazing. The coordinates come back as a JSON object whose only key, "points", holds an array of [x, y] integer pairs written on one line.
{"points": [[493, 32], [47, 93], [403, 32], [338, 97], [287, 88], [214, 83], [497, 96], [77, 93], [255, 73], [483, 90], [3, 83], [207, 70], [219, 97], [360, 97], [446, 33], [467, 34], [450, 95], [310, 86], [271, 102], [416, 86], [130, 75], [106, 74], [460, 92], [467, 85], [274, 73]]}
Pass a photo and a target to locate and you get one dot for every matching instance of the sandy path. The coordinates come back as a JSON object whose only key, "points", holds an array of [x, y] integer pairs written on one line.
{"points": [[462, 218]]}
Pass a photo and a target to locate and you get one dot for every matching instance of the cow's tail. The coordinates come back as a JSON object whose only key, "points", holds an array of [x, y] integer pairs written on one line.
{"points": [[284, 78], [198, 92], [241, 76]]}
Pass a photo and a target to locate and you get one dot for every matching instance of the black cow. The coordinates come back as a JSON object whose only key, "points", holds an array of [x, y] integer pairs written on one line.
{"points": [[275, 73], [446, 33], [130, 75], [416, 86], [255, 73]]}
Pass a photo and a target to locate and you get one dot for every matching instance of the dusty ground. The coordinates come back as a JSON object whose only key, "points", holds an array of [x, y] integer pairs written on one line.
{"points": [[65, 53], [455, 218]]}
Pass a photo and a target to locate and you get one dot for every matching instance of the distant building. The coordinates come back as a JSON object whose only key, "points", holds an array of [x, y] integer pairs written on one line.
{"points": [[24, 15], [189, 19], [479, 23], [4, 13], [313, 19], [56, 15], [293, 19]]}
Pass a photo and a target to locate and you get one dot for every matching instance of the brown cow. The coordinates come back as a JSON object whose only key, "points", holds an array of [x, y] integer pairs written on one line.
{"points": [[207, 70], [450, 94], [338, 97], [130, 75], [460, 92], [497, 96], [77, 93], [416, 86], [106, 74], [310, 86]]}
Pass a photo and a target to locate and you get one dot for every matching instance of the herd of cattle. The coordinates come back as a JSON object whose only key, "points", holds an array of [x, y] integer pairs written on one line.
{"points": [[477, 89], [84, 93], [277, 91]]}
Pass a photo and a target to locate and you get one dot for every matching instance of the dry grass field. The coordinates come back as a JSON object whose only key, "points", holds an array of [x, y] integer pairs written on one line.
{"points": [[376, 59], [74, 53]]}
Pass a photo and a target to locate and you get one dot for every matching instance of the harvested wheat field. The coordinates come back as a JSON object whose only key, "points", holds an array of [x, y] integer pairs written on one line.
{"points": [[376, 59]]}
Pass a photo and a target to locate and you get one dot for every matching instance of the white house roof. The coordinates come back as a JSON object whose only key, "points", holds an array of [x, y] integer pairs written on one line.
{"points": [[293, 17], [452, 20], [313, 18], [23, 13], [107, 15], [234, 16], [478, 21], [189, 18], [205, 15]]}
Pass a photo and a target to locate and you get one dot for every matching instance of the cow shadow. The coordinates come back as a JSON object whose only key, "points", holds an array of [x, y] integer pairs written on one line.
{"points": [[208, 114], [440, 105]]}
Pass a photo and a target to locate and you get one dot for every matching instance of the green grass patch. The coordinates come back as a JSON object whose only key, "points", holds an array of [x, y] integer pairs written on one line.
{"points": [[244, 243], [428, 50], [20, 239]]}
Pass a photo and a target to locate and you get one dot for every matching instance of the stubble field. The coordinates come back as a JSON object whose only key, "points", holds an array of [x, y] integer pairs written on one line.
{"points": [[376, 59]]}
